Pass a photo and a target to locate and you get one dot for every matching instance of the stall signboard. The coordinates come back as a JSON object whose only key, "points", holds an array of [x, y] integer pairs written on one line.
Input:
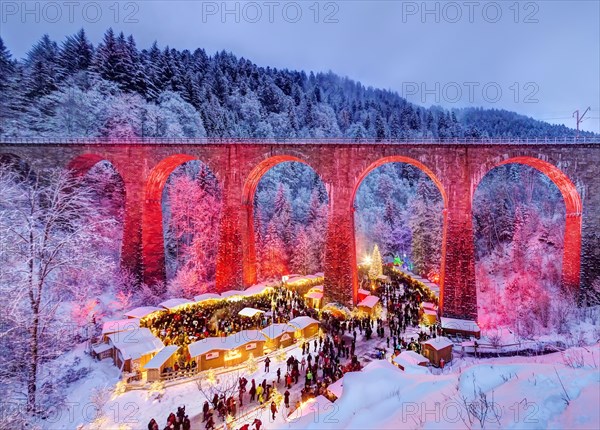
{"points": [[212, 355], [250, 346]]}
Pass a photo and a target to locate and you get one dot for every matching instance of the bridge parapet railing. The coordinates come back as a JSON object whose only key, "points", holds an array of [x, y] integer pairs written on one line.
{"points": [[287, 141]]}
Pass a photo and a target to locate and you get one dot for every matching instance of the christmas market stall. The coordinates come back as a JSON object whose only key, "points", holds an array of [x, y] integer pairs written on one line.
{"points": [[133, 349], [437, 350], [160, 363], [362, 294], [428, 313], [305, 326], [368, 304], [209, 353], [207, 297], [173, 304], [110, 327], [142, 311], [243, 344], [278, 336], [459, 327], [410, 359], [314, 297]]}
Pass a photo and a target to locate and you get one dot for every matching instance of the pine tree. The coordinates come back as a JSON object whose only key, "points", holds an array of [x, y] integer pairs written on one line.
{"points": [[76, 54], [42, 68]]}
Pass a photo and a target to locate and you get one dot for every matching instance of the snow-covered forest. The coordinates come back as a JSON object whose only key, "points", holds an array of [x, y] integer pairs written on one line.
{"points": [[72, 88]]}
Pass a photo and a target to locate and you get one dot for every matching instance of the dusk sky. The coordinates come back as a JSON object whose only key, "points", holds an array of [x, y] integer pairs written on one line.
{"points": [[538, 58]]}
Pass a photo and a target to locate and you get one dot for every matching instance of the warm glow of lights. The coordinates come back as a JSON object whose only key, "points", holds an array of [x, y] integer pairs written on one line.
{"points": [[367, 260], [233, 354]]}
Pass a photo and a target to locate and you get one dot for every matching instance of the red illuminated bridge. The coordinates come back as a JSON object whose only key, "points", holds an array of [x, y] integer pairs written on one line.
{"points": [[456, 168]]}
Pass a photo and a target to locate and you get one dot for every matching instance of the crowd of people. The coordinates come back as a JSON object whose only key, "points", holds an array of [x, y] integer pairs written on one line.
{"points": [[175, 421], [323, 360]]}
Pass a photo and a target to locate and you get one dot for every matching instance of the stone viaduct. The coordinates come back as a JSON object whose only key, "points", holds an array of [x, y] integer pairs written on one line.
{"points": [[456, 169]]}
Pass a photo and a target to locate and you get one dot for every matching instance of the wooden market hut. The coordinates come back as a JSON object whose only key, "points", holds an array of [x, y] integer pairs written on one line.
{"points": [[458, 327], [164, 359], [368, 304], [142, 311], [133, 349], [119, 326], [242, 344], [410, 358], [436, 349], [278, 336], [305, 326], [208, 353], [173, 304], [314, 297], [362, 294]]}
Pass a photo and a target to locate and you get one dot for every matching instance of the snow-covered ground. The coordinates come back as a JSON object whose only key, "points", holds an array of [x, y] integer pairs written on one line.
{"points": [[559, 390]]}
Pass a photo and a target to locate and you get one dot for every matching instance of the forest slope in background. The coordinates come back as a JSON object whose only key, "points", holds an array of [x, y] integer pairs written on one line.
{"points": [[75, 89]]}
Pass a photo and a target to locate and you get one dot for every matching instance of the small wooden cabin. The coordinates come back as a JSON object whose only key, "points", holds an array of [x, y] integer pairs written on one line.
{"points": [[278, 336], [133, 349], [164, 359], [208, 353], [436, 349], [459, 327], [242, 344], [410, 358], [305, 326]]}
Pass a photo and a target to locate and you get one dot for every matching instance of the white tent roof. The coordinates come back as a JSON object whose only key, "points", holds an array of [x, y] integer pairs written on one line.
{"points": [[314, 295], [458, 324], [231, 293], [302, 322], [428, 305], [175, 303], [257, 289], [337, 388], [317, 288], [161, 357], [369, 301], [142, 311], [206, 345], [410, 358], [243, 337], [275, 330], [438, 343], [136, 343], [120, 325], [206, 296], [364, 292], [249, 312]]}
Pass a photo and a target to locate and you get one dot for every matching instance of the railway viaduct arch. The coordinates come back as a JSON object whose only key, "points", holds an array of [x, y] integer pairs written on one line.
{"points": [[456, 169]]}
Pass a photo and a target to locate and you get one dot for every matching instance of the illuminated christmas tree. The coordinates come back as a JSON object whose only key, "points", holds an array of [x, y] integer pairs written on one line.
{"points": [[376, 268]]}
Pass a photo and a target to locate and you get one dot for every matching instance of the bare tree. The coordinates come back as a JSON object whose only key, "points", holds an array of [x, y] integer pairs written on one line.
{"points": [[47, 223]]}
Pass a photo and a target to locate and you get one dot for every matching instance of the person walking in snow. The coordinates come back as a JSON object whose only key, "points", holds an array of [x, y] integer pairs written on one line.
{"points": [[273, 409], [267, 363]]}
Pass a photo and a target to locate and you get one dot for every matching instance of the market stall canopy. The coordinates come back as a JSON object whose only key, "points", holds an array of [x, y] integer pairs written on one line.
{"points": [[207, 296], [120, 325], [459, 325], [317, 288], [161, 357], [383, 278], [175, 303], [337, 388], [136, 343], [314, 295], [250, 312], [363, 292], [429, 305], [232, 293], [302, 322], [438, 343], [410, 358], [258, 289], [243, 337], [369, 302], [275, 330], [207, 345], [142, 311]]}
